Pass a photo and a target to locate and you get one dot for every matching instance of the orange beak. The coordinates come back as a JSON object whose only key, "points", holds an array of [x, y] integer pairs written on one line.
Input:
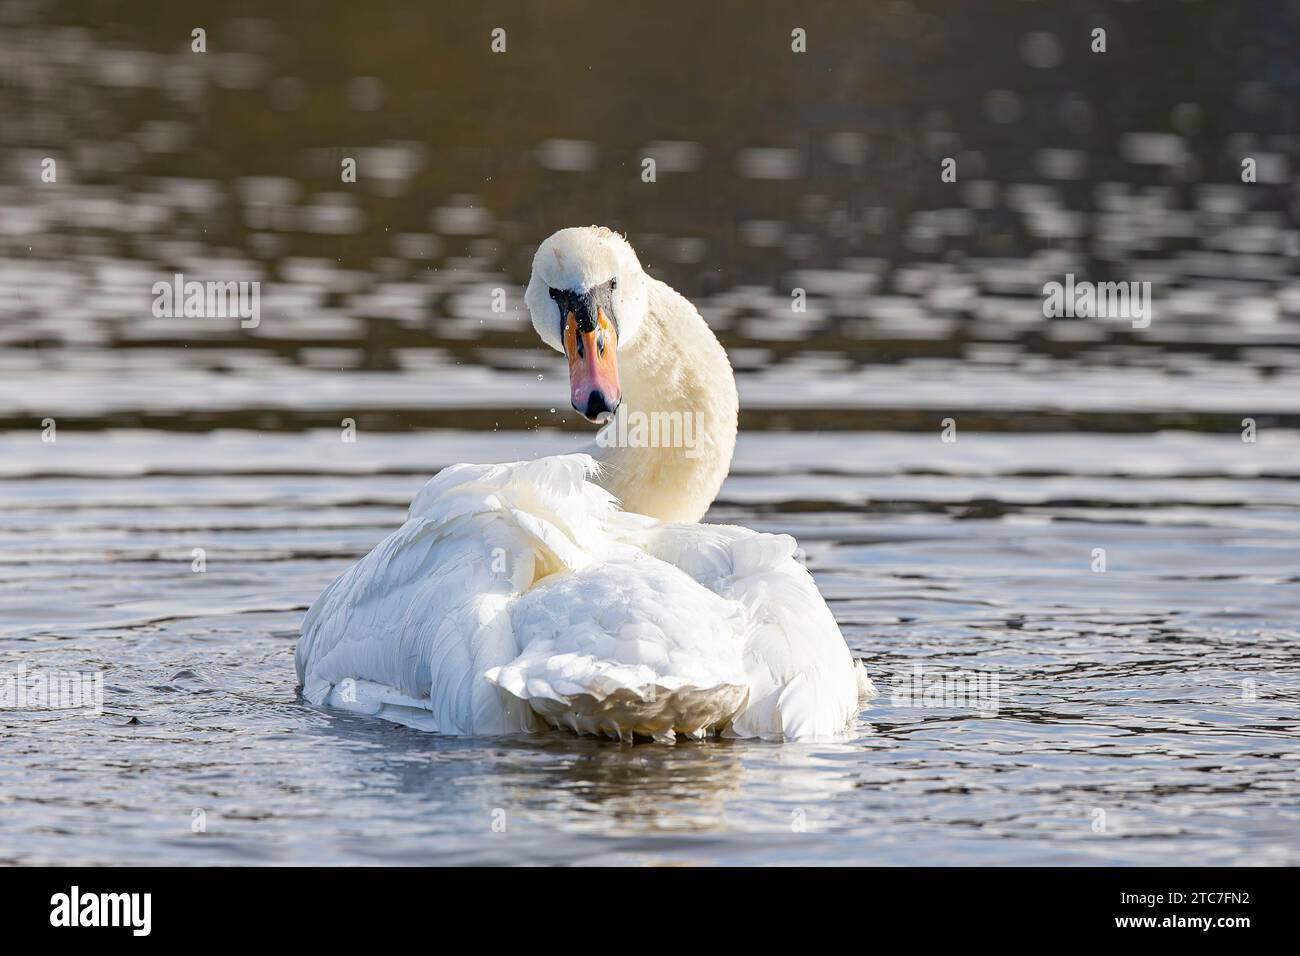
{"points": [[593, 368]]}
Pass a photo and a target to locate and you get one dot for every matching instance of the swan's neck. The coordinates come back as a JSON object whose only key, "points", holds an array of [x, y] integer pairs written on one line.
{"points": [[669, 448]]}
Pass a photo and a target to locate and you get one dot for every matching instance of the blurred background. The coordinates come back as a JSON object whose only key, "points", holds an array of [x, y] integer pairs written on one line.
{"points": [[775, 171], [198, 495]]}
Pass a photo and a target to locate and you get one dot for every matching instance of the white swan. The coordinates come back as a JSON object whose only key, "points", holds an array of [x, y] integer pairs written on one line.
{"points": [[521, 595]]}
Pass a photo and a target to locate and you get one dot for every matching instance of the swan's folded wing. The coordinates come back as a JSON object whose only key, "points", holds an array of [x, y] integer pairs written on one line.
{"points": [[629, 645], [426, 613], [803, 682]]}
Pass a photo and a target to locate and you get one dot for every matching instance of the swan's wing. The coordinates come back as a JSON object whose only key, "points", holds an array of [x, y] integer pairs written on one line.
{"points": [[417, 622], [629, 645], [803, 682]]}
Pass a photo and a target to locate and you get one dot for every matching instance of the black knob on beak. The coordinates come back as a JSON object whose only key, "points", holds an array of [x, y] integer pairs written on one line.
{"points": [[598, 407]]}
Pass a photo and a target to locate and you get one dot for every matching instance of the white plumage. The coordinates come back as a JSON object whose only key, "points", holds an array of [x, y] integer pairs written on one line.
{"points": [[520, 595]]}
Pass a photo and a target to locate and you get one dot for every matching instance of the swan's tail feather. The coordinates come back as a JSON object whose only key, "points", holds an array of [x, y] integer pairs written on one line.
{"points": [[629, 645], [615, 701]]}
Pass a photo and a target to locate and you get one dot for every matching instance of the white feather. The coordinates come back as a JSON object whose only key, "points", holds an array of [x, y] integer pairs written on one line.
{"points": [[518, 592]]}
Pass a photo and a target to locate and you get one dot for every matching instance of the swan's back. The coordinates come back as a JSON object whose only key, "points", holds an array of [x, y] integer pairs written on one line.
{"points": [[518, 595]]}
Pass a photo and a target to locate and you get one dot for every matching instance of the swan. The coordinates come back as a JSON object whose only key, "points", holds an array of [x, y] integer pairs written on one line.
{"points": [[580, 591]]}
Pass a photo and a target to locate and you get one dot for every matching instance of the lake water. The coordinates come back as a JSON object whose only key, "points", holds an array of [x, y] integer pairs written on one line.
{"points": [[1099, 539]]}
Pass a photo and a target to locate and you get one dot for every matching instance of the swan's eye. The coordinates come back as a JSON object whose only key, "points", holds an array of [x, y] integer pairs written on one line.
{"points": [[613, 283]]}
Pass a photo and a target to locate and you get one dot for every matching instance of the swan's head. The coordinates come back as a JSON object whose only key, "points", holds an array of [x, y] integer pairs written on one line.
{"points": [[587, 299]]}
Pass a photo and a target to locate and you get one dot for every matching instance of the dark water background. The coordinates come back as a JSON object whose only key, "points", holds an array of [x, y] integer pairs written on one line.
{"points": [[1146, 714]]}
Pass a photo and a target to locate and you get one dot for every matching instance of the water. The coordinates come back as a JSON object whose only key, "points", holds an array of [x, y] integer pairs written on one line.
{"points": [[1146, 713], [1123, 692]]}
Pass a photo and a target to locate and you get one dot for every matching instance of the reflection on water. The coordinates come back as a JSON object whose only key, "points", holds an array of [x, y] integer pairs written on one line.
{"points": [[1146, 712], [817, 172]]}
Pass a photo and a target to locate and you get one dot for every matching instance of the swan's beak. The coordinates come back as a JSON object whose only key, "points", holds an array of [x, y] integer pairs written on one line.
{"points": [[591, 342]]}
